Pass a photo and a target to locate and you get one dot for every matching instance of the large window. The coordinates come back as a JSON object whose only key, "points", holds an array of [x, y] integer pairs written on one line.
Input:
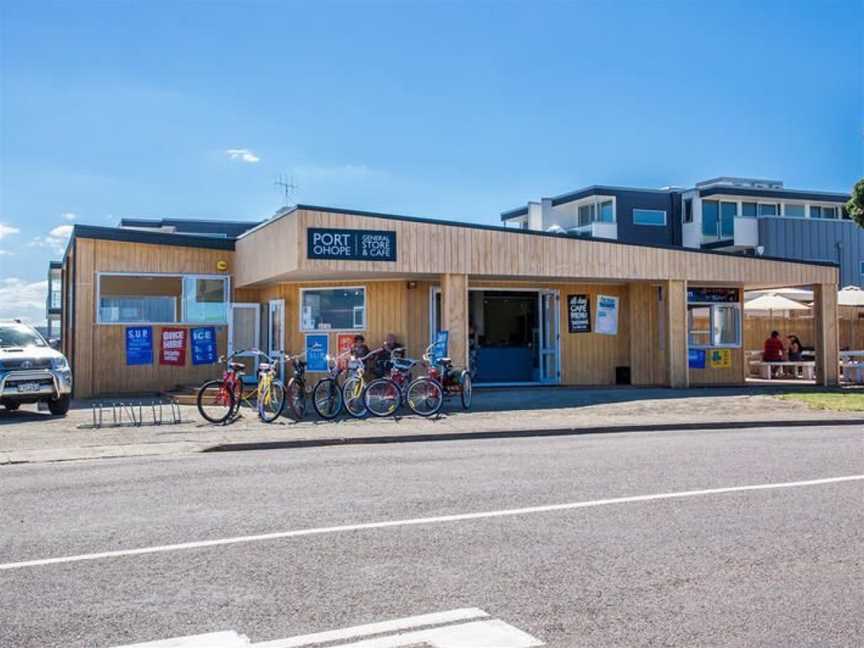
{"points": [[332, 308], [714, 325], [205, 300], [728, 212], [710, 217], [823, 212], [655, 217], [748, 209], [688, 210], [795, 211], [769, 209], [162, 299], [596, 212]]}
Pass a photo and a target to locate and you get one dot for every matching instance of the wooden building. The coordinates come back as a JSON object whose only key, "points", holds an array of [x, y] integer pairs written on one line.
{"points": [[522, 307]]}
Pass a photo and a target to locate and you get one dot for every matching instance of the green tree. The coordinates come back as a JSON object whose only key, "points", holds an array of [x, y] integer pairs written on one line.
{"points": [[855, 206]]}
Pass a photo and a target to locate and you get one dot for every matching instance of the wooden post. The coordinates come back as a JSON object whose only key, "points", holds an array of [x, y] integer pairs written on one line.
{"points": [[677, 369], [454, 316], [827, 342]]}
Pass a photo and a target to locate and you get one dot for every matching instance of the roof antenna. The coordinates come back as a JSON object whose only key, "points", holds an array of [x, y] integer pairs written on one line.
{"points": [[286, 187]]}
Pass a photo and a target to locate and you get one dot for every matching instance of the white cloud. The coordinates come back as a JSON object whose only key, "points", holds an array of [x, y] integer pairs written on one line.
{"points": [[243, 154], [70, 216], [19, 298], [6, 253], [55, 241], [7, 230]]}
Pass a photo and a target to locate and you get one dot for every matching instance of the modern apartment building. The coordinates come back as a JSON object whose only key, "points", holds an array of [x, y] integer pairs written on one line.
{"points": [[744, 215]]}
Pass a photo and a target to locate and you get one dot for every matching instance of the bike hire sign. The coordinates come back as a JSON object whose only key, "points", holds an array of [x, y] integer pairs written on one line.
{"points": [[350, 245]]}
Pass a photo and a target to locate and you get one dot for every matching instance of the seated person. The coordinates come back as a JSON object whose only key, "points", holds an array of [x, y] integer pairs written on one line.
{"points": [[794, 348], [390, 349], [773, 350], [359, 350]]}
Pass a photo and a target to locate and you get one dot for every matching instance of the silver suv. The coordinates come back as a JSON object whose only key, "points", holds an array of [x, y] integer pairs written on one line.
{"points": [[31, 371]]}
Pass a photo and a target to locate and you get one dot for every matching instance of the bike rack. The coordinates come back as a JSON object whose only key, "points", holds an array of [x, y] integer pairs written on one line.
{"points": [[132, 414]]}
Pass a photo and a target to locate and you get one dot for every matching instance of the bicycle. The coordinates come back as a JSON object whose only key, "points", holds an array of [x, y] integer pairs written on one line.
{"points": [[219, 400], [327, 394], [399, 368], [426, 394], [296, 389], [384, 401]]}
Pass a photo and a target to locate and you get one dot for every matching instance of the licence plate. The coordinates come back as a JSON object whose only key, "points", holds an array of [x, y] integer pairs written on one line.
{"points": [[29, 387]]}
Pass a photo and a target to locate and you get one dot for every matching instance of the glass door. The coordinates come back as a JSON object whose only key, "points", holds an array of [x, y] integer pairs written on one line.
{"points": [[276, 331], [550, 367]]}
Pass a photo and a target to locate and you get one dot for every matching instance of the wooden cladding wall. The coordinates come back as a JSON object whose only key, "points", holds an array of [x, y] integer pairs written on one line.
{"points": [[279, 248], [98, 355]]}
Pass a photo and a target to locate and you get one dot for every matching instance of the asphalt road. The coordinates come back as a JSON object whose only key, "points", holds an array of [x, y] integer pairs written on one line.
{"points": [[765, 567]]}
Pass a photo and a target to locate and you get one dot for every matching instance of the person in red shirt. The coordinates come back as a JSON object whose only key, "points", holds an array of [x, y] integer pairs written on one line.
{"points": [[773, 351]]}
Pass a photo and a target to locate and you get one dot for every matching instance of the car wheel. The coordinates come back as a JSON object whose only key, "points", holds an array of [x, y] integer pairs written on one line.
{"points": [[60, 406]]}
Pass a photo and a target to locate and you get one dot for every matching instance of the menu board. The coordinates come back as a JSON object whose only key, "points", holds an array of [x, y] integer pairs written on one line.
{"points": [[578, 314]]}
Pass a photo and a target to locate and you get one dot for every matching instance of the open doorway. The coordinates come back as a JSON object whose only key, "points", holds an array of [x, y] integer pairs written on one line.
{"points": [[513, 335]]}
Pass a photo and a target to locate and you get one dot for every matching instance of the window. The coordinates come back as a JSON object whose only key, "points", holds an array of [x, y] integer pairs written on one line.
{"points": [[162, 299], [714, 325], [654, 217], [606, 213], [699, 326], [794, 211], [205, 300], [586, 215], [768, 209], [728, 212], [688, 210], [332, 308], [861, 268], [710, 217], [748, 209], [823, 212]]}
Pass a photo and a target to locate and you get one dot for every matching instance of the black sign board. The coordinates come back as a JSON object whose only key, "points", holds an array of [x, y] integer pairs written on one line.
{"points": [[350, 245], [713, 295], [578, 314]]}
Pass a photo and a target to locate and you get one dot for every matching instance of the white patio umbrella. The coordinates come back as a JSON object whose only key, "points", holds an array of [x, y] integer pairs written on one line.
{"points": [[772, 302], [797, 294], [850, 296]]}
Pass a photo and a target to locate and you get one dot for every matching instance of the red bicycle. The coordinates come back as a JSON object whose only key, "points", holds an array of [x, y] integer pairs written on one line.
{"points": [[219, 400]]}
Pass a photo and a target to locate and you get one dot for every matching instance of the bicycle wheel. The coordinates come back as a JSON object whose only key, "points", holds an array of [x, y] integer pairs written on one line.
{"points": [[352, 395], [271, 402], [465, 381], [296, 397], [327, 398], [425, 396], [382, 397], [215, 401]]}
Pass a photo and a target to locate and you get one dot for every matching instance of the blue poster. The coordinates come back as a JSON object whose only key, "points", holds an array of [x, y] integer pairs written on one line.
{"points": [[204, 345], [696, 358], [139, 345], [317, 348], [440, 349]]}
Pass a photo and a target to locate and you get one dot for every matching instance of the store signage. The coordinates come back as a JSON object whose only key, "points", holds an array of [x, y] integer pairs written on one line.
{"points": [[344, 343], [350, 245], [720, 358], [439, 349], [607, 315], [713, 295], [578, 314], [317, 348], [139, 345], [696, 358], [172, 351], [203, 345]]}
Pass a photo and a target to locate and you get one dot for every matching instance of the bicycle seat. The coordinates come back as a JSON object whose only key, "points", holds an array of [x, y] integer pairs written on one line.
{"points": [[236, 366], [445, 361], [263, 366]]}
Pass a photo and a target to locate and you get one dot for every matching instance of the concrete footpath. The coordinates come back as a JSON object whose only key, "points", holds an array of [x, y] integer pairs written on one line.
{"points": [[28, 436]]}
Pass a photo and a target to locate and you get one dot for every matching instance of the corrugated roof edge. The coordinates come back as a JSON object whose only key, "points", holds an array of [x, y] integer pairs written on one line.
{"points": [[508, 230], [139, 236]]}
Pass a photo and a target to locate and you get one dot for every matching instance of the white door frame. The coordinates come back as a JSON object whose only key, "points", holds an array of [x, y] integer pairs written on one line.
{"points": [[435, 290], [276, 304], [257, 309]]}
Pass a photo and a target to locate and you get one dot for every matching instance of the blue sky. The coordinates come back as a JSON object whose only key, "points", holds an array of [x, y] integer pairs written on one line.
{"points": [[436, 109]]}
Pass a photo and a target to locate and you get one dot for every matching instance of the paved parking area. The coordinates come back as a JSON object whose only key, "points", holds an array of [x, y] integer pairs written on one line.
{"points": [[28, 435]]}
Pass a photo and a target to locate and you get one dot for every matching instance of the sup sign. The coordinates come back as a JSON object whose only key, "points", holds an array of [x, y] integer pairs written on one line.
{"points": [[351, 245]]}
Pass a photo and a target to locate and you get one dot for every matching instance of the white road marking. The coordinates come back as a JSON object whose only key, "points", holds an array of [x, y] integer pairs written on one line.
{"points": [[462, 628], [227, 639], [461, 517], [397, 625]]}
